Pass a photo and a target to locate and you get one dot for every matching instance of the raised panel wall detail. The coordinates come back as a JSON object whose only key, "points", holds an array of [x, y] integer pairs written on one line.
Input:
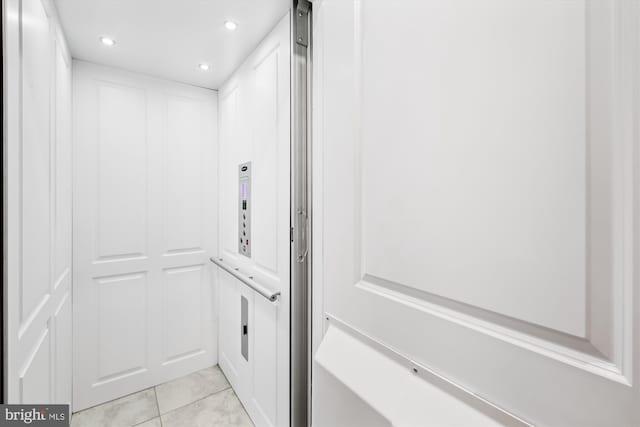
{"points": [[255, 127], [230, 149], [229, 298], [505, 228], [183, 316], [528, 228], [265, 322], [184, 164], [35, 379], [62, 233], [476, 198], [122, 324], [265, 172], [35, 157], [144, 226], [37, 203], [63, 351], [122, 171]]}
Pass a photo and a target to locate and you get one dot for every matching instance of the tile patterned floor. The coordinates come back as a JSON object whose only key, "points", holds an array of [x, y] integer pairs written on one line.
{"points": [[201, 399]]}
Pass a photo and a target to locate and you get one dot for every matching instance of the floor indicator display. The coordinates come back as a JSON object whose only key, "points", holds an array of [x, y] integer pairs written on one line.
{"points": [[244, 209]]}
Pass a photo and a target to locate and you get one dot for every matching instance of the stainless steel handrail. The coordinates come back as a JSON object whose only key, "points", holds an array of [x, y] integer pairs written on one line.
{"points": [[247, 280]]}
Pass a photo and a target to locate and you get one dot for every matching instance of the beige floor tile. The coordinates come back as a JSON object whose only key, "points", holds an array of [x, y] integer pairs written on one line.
{"points": [[220, 409], [124, 412], [155, 422], [190, 388]]}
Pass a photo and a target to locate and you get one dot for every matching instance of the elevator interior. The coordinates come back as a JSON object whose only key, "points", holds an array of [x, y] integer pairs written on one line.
{"points": [[148, 152]]}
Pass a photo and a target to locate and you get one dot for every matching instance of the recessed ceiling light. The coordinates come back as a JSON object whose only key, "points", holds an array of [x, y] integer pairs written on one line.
{"points": [[230, 25], [107, 41], [204, 67]]}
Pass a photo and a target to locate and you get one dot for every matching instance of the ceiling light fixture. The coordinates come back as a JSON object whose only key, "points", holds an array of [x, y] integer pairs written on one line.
{"points": [[107, 41], [230, 25], [204, 67]]}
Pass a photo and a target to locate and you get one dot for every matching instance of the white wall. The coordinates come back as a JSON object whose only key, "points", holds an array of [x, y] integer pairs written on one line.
{"points": [[145, 225], [476, 211], [254, 126], [37, 172]]}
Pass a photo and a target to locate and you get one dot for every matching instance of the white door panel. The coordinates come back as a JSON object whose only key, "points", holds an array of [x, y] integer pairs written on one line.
{"points": [[122, 172], [514, 128], [144, 226], [121, 306], [254, 127], [475, 168], [36, 161], [182, 310], [37, 174], [184, 226]]}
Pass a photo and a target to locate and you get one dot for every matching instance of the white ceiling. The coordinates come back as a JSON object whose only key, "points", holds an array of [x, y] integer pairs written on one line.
{"points": [[169, 38]]}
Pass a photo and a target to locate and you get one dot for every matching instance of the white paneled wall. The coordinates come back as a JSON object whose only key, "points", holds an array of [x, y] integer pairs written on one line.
{"points": [[476, 211], [145, 224], [254, 127], [37, 171]]}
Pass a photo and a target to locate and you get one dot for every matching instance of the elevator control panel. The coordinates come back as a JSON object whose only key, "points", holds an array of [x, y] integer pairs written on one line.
{"points": [[244, 209]]}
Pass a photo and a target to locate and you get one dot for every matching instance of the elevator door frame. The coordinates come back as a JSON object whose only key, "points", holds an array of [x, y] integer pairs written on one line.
{"points": [[300, 340]]}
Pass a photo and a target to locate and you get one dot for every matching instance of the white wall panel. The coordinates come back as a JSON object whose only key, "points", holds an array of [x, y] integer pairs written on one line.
{"points": [[265, 354], [505, 228], [265, 173], [121, 306], [229, 312], [35, 156], [121, 220], [184, 289], [61, 323], [347, 408], [346, 361], [254, 127], [63, 350], [184, 163], [37, 174], [62, 163], [230, 151], [35, 378], [145, 219], [475, 171]]}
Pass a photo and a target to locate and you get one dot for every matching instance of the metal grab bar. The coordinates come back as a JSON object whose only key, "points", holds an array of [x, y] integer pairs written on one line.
{"points": [[247, 280]]}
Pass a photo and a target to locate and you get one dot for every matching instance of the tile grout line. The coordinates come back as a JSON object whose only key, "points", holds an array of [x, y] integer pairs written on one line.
{"points": [[155, 393], [197, 400], [111, 401], [242, 406], [159, 416], [157, 406], [145, 421]]}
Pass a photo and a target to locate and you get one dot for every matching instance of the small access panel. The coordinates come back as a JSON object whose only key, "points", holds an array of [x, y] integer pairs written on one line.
{"points": [[244, 328], [244, 209]]}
